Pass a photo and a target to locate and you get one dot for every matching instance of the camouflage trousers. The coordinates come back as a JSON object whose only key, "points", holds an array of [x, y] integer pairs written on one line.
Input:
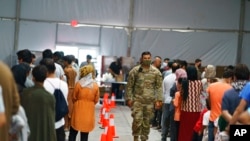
{"points": [[142, 114]]}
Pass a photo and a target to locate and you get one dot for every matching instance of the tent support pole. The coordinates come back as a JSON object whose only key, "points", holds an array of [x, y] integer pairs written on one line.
{"points": [[241, 31], [17, 25], [130, 27]]}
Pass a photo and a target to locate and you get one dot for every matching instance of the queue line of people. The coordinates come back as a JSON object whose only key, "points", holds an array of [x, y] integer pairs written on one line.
{"points": [[195, 105], [33, 118], [189, 104]]}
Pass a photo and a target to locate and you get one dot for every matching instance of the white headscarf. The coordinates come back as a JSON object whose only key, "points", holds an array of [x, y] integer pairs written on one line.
{"points": [[87, 81]]}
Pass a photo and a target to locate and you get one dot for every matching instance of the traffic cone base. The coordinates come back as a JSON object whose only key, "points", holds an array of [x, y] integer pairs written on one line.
{"points": [[104, 135]]}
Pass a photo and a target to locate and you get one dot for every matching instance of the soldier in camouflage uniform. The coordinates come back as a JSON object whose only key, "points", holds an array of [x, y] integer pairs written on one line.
{"points": [[144, 89]]}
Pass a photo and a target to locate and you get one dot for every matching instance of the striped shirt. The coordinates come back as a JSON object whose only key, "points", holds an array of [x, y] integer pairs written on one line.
{"points": [[192, 103]]}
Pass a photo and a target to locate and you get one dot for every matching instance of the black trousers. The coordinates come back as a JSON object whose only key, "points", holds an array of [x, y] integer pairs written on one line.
{"points": [[60, 134], [73, 134]]}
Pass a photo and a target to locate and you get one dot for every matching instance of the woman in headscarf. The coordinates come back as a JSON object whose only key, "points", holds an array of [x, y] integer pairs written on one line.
{"points": [[190, 106], [209, 77], [85, 96]]}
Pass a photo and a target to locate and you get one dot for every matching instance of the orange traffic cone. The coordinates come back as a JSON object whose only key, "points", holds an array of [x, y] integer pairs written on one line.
{"points": [[104, 135], [106, 120], [102, 115], [111, 128], [112, 103], [106, 101]]}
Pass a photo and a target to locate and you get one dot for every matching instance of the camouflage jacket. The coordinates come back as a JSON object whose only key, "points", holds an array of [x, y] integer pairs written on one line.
{"points": [[144, 84]]}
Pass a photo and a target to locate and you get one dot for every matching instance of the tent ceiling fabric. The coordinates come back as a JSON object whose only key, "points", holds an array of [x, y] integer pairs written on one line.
{"points": [[8, 8], [208, 14], [79, 35], [113, 12], [37, 36], [220, 49], [7, 30], [113, 42], [246, 50], [247, 16]]}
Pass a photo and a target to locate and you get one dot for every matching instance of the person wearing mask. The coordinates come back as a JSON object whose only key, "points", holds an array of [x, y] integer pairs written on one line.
{"points": [[50, 84], [85, 96], [39, 106], [156, 120], [9, 94], [167, 83], [144, 90]]}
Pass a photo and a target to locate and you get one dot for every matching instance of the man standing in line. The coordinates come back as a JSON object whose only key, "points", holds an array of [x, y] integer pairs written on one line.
{"points": [[167, 84], [144, 89], [39, 106], [50, 84], [156, 121]]}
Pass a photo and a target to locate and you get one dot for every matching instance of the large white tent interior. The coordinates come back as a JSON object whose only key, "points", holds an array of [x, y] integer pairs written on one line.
{"points": [[216, 31]]}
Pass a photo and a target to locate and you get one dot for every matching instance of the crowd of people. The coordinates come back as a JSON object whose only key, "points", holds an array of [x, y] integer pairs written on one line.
{"points": [[30, 93], [184, 102], [180, 100]]}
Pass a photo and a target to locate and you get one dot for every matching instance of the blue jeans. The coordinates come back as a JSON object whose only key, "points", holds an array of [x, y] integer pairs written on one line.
{"points": [[211, 131], [165, 121]]}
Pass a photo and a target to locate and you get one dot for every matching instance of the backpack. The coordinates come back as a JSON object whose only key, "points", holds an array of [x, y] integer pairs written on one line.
{"points": [[61, 108]]}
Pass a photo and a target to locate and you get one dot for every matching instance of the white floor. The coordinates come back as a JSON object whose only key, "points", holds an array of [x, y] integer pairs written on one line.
{"points": [[123, 122]]}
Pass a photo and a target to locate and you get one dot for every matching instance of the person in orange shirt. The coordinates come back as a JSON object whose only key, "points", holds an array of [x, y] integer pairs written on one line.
{"points": [[177, 104], [85, 96], [215, 94], [71, 77], [181, 75]]}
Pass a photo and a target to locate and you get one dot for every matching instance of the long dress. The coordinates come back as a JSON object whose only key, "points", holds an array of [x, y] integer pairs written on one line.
{"points": [[190, 111]]}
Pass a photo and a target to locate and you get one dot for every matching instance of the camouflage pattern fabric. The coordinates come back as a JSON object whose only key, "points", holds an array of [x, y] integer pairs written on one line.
{"points": [[144, 88]]}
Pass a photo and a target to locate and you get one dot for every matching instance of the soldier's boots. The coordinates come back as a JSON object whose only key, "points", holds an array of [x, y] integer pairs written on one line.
{"points": [[136, 138]]}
